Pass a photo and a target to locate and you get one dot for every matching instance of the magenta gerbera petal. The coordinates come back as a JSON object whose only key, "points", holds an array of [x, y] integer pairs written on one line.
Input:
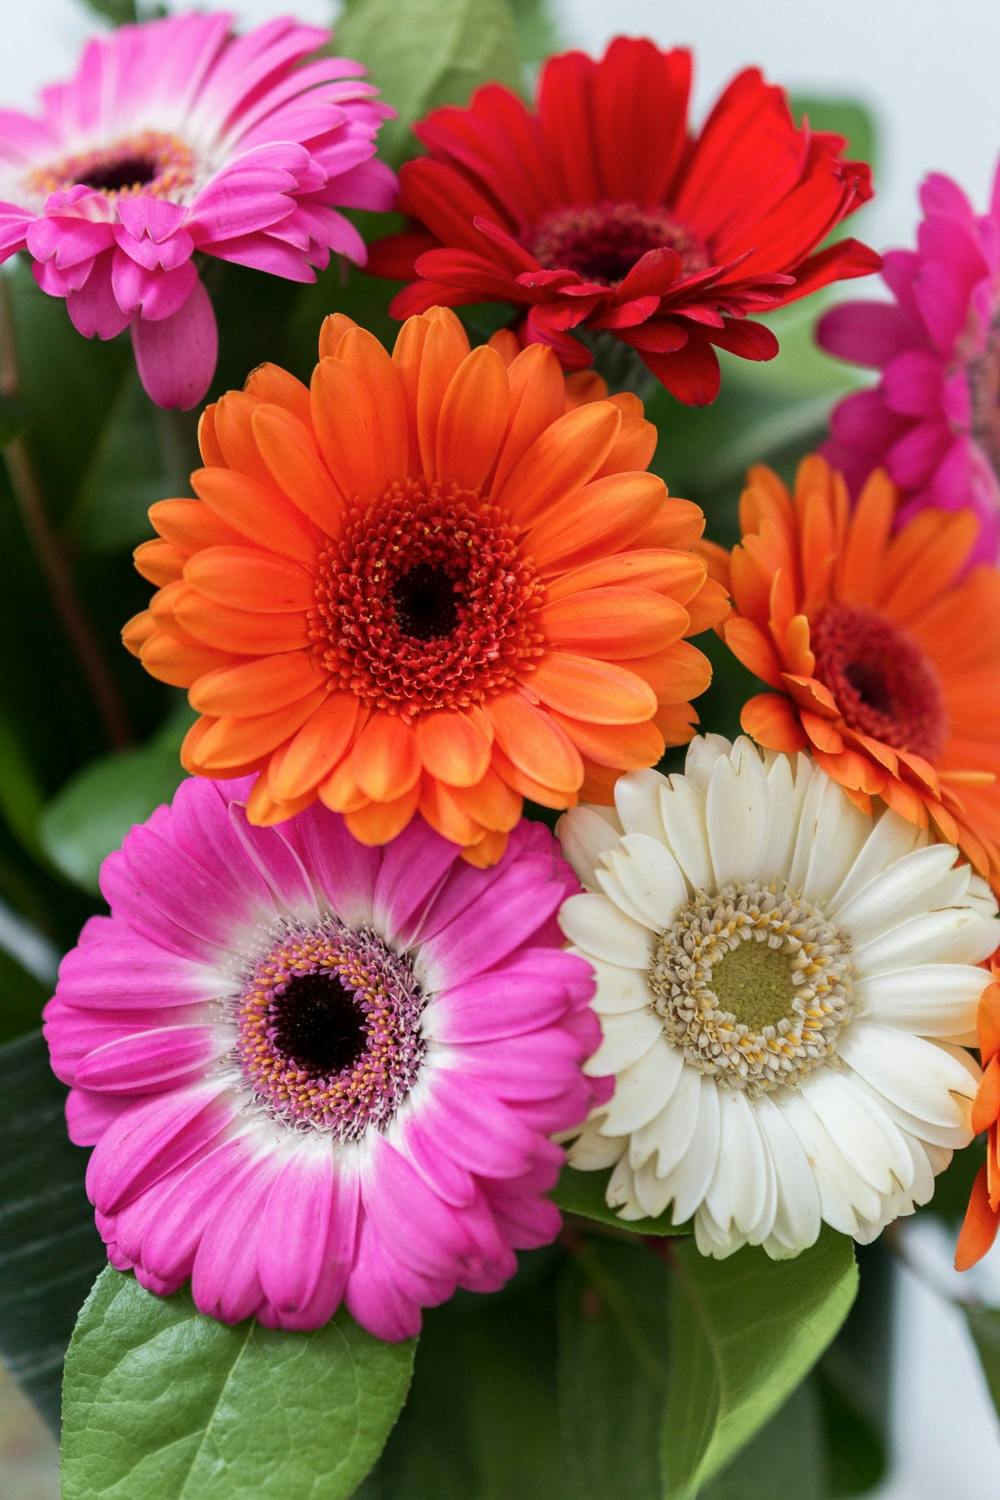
{"points": [[176, 137], [315, 1072], [932, 420]]}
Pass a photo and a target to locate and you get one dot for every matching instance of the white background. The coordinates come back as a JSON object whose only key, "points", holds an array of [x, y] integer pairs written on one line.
{"points": [[930, 69]]}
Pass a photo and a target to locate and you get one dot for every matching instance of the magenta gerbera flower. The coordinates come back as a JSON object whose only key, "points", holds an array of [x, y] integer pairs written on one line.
{"points": [[176, 138], [933, 420], [314, 1071]]}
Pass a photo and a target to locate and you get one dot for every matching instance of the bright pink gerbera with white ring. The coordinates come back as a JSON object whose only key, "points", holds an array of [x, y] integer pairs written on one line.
{"points": [[314, 1071], [933, 420], [176, 137]]}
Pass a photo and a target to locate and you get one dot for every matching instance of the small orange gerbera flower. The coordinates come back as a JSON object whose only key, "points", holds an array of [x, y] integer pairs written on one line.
{"points": [[982, 1217], [431, 581], [882, 648]]}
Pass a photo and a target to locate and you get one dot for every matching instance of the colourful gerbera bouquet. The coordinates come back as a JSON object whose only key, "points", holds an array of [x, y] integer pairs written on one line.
{"points": [[504, 927]]}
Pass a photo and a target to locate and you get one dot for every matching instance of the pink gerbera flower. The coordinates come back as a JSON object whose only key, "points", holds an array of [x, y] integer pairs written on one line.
{"points": [[933, 420], [176, 137], [314, 1071]]}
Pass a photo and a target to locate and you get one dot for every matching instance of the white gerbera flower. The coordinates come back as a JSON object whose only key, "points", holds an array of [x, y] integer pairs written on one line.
{"points": [[784, 987]]}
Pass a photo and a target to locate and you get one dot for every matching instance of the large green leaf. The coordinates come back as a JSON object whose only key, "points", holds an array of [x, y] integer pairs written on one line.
{"points": [[94, 811], [984, 1325], [583, 1193], [49, 1248], [787, 1457], [744, 1332], [423, 53], [613, 1352], [163, 1403]]}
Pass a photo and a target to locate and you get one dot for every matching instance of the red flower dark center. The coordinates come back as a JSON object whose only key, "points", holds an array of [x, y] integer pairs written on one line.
{"points": [[603, 241], [148, 162], [983, 374], [426, 602], [883, 683]]}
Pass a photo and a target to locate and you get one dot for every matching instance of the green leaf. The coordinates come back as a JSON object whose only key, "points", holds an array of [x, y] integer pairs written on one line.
{"points": [[118, 12], [49, 1249], [583, 1193], [11, 420], [162, 1402], [424, 53], [23, 994], [92, 814], [984, 1325], [613, 1335], [846, 117], [537, 31], [744, 1332], [787, 1457]]}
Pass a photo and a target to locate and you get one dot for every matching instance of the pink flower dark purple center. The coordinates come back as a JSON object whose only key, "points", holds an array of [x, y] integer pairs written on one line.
{"points": [[983, 374], [147, 162], [329, 1031], [602, 242], [883, 683]]}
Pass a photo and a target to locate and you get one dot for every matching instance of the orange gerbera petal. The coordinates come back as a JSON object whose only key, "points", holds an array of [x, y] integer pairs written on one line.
{"points": [[986, 1105], [473, 419], [247, 578], [485, 851], [979, 1228], [561, 460], [435, 580], [614, 622], [454, 748], [585, 688], [385, 759], [274, 680], [534, 743], [773, 723], [311, 753], [753, 647]]}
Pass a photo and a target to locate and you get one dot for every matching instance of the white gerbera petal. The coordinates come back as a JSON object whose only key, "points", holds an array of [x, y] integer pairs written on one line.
{"points": [[922, 1077], [956, 935], [642, 1090], [625, 1039], [618, 990], [597, 927], [937, 1000], [890, 838], [920, 881], [738, 1190], [591, 1151], [585, 833], [736, 814], [667, 1137], [781, 981], [637, 802], [689, 1179], [650, 878], [682, 813]]}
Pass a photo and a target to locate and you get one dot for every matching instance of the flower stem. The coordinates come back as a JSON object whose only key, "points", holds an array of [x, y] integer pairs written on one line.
{"points": [[50, 552]]}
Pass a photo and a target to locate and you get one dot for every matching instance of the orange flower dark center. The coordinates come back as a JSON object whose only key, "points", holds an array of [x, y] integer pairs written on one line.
{"points": [[883, 683], [603, 241], [426, 602], [149, 162]]}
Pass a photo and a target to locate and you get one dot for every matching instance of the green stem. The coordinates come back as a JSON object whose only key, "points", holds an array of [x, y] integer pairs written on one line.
{"points": [[50, 553]]}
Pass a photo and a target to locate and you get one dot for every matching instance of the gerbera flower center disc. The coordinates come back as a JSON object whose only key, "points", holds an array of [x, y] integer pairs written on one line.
{"points": [[983, 374], [883, 683], [754, 984], [602, 242], [426, 602], [148, 162], [328, 1030]]}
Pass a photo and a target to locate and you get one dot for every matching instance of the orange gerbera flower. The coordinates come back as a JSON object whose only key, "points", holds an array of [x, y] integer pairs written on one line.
{"points": [[982, 1217], [882, 647], [431, 581]]}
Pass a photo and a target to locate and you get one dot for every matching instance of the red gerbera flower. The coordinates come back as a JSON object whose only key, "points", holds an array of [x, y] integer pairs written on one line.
{"points": [[600, 212]]}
